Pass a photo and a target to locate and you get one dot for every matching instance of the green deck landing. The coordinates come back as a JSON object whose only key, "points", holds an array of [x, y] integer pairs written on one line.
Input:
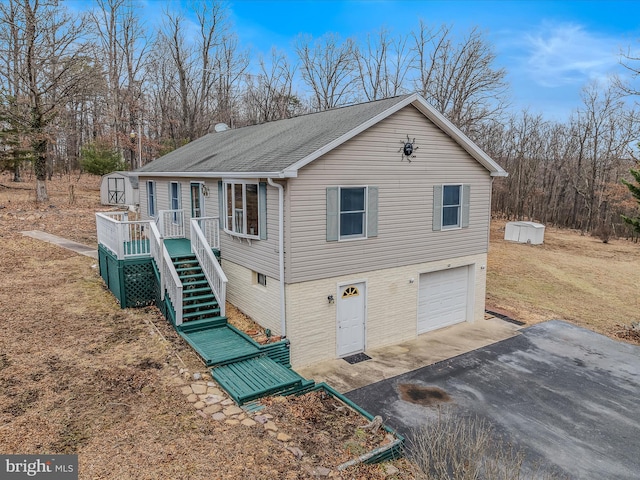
{"points": [[178, 247], [217, 343], [257, 377]]}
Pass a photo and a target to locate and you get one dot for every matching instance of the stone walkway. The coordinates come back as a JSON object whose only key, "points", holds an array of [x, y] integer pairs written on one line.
{"points": [[209, 401]]}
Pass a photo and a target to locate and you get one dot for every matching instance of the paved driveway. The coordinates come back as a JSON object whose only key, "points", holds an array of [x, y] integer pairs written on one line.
{"points": [[569, 397]]}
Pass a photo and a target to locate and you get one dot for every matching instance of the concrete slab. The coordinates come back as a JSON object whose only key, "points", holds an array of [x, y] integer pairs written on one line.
{"points": [[62, 242], [570, 398], [427, 349]]}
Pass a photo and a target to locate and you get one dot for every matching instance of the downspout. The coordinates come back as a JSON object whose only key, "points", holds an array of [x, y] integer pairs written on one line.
{"points": [[283, 316], [490, 208]]}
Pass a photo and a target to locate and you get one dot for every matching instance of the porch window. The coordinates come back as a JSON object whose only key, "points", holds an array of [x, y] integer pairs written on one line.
{"points": [[151, 198], [174, 198], [245, 209]]}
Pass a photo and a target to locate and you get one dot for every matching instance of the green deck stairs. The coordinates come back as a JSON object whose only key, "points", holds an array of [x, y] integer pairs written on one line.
{"points": [[242, 367]]}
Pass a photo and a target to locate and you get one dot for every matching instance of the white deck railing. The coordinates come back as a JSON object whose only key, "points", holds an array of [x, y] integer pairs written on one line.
{"points": [[171, 223], [156, 243], [210, 227], [146, 238], [173, 285], [124, 238], [209, 264]]}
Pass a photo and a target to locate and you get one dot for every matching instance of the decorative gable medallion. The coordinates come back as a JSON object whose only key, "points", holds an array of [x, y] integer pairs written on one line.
{"points": [[408, 149]]}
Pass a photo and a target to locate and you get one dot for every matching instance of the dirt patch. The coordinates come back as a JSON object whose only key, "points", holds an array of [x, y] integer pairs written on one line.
{"points": [[326, 431], [421, 395]]}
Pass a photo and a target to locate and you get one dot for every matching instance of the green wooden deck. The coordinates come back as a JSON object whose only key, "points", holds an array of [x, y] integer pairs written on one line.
{"points": [[242, 367], [178, 247], [219, 344], [257, 377]]}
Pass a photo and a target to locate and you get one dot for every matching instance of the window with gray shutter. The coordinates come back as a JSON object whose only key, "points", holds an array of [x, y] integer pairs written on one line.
{"points": [[352, 212], [451, 206]]}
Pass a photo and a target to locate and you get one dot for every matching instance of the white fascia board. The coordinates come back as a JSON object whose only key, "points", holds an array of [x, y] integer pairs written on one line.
{"points": [[454, 132], [347, 136], [218, 174]]}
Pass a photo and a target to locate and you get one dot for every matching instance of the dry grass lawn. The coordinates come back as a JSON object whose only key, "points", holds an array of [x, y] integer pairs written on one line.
{"points": [[571, 277]]}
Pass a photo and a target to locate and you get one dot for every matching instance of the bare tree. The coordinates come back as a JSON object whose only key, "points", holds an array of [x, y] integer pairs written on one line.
{"points": [[460, 79], [327, 66], [121, 41], [51, 56], [269, 94], [197, 77], [383, 63]]}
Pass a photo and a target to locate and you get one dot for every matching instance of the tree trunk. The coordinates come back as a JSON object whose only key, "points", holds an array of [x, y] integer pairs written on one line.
{"points": [[40, 167]]}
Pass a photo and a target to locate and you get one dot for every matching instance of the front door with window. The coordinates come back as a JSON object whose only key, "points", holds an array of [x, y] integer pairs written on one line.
{"points": [[351, 307], [197, 200]]}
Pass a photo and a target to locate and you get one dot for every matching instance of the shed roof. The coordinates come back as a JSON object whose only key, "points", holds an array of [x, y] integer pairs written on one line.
{"points": [[281, 148]]}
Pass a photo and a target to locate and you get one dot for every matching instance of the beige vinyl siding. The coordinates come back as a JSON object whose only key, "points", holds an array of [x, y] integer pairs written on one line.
{"points": [[163, 201], [257, 255], [405, 204]]}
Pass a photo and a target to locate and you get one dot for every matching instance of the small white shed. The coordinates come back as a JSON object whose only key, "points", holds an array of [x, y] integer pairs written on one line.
{"points": [[119, 188], [524, 232]]}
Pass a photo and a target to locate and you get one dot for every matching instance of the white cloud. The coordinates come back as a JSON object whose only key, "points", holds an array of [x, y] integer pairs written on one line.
{"points": [[567, 54]]}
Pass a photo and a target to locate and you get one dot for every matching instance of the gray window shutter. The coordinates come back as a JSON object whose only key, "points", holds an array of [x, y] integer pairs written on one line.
{"points": [[372, 212], [262, 212], [466, 194], [221, 212], [332, 214], [437, 207]]}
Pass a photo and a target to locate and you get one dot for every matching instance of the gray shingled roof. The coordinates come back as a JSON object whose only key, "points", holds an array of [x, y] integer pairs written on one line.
{"points": [[268, 147], [282, 147]]}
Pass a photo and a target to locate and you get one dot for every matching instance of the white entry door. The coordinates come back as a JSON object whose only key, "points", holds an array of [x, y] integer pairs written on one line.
{"points": [[443, 298], [351, 318]]}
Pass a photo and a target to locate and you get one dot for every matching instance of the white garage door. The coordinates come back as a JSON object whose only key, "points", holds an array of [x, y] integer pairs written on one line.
{"points": [[443, 298]]}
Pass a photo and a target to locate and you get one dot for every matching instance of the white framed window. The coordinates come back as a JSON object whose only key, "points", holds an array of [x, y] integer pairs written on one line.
{"points": [[151, 198], [352, 212], [174, 199], [451, 206], [261, 279], [244, 208]]}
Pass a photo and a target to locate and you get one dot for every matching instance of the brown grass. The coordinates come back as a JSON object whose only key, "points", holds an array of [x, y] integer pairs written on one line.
{"points": [[571, 277], [80, 375]]}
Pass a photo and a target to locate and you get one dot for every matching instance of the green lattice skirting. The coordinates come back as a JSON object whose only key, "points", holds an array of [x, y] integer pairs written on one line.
{"points": [[131, 281]]}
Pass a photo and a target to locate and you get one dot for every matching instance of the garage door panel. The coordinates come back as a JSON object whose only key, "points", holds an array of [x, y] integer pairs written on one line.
{"points": [[443, 298]]}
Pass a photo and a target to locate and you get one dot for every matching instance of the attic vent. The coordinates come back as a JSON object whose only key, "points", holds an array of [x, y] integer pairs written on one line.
{"points": [[221, 127]]}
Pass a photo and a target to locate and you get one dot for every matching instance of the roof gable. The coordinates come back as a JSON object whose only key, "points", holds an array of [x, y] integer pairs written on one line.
{"points": [[281, 148]]}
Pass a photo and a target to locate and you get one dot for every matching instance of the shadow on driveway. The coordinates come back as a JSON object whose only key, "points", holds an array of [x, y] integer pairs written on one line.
{"points": [[569, 397]]}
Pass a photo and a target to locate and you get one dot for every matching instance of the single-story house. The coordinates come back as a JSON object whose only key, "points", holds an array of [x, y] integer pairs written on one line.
{"points": [[342, 230], [120, 188]]}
